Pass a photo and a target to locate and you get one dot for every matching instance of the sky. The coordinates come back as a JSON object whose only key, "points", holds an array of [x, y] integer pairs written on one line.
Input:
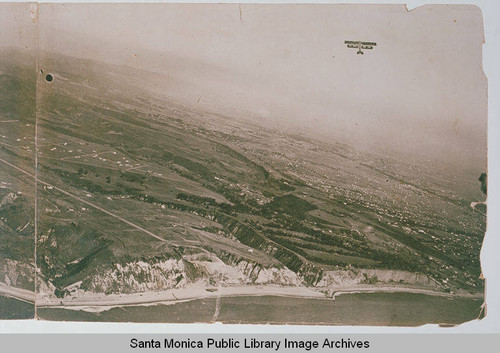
{"points": [[420, 92], [17, 25]]}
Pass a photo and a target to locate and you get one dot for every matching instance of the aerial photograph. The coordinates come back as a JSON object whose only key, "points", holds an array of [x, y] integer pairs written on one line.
{"points": [[243, 164]]}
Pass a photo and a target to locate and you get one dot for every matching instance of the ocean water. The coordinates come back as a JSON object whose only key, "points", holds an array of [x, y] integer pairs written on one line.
{"points": [[371, 309], [374, 309], [15, 309]]}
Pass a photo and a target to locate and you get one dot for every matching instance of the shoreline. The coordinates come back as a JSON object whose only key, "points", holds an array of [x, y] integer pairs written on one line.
{"points": [[98, 302]]}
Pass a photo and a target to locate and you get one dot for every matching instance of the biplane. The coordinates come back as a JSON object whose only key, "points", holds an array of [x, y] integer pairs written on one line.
{"points": [[360, 45]]}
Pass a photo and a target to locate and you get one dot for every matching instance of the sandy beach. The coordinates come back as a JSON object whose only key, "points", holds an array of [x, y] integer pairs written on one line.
{"points": [[96, 302]]}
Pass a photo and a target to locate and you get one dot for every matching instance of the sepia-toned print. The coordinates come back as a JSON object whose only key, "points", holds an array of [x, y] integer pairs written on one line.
{"points": [[284, 164]]}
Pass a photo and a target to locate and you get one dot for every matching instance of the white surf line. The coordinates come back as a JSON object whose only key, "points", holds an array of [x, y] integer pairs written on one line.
{"points": [[88, 203]]}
